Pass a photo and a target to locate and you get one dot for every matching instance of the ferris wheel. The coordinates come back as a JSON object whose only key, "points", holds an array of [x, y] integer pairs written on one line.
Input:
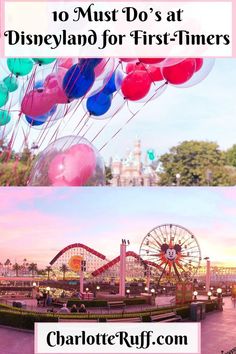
{"points": [[173, 250]]}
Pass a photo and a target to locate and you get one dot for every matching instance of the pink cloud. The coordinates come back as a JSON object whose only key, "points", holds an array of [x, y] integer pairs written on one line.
{"points": [[33, 234]]}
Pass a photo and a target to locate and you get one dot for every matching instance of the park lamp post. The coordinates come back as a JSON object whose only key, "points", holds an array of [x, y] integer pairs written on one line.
{"points": [[209, 295], [34, 290], [128, 292], [96, 291], [87, 290], [146, 289], [220, 299], [195, 294], [178, 177], [48, 289], [153, 291]]}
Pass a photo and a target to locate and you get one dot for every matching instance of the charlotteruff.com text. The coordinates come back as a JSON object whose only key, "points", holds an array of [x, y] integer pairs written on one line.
{"points": [[143, 340]]}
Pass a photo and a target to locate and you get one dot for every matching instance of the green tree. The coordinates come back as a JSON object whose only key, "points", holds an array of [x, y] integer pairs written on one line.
{"points": [[26, 155], [64, 269], [230, 156], [194, 163], [14, 173]]}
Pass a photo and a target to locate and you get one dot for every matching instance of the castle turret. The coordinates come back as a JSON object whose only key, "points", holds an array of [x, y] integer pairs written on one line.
{"points": [[138, 155]]}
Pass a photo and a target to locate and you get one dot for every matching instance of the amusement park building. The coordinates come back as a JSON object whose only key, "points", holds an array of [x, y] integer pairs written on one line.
{"points": [[218, 274]]}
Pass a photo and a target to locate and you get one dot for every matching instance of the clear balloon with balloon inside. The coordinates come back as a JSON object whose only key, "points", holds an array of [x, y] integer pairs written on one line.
{"points": [[68, 162]]}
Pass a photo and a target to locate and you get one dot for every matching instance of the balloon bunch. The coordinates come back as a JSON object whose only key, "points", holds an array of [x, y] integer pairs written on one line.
{"points": [[144, 72], [18, 69], [140, 79], [69, 82], [49, 88]]}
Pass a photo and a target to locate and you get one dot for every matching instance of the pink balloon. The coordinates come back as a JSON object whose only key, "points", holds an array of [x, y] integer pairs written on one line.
{"points": [[199, 64], [53, 85], [134, 66], [74, 167], [65, 63], [56, 170], [129, 60], [104, 69], [154, 72], [37, 103], [80, 164], [98, 70]]}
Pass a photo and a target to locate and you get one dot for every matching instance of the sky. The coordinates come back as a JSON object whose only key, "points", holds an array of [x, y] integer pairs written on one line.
{"points": [[206, 111], [36, 223]]}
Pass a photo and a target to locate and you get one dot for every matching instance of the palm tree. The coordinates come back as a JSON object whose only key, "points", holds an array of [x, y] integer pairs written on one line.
{"points": [[7, 265], [48, 270], [8, 262], [16, 267], [64, 269], [32, 267], [25, 265]]}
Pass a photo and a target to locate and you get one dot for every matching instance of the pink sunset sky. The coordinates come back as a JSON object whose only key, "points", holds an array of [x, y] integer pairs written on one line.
{"points": [[36, 223]]}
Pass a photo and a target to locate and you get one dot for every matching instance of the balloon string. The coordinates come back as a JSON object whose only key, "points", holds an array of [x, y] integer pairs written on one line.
{"points": [[86, 120], [65, 113], [74, 111], [107, 123], [106, 80], [51, 119], [126, 123], [82, 136], [45, 132], [78, 76], [81, 120], [16, 127], [57, 130], [26, 135], [148, 72], [156, 91], [31, 124]]}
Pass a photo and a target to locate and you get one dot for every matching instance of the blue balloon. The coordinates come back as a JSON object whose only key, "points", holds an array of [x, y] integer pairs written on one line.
{"points": [[91, 63], [39, 120], [114, 83], [99, 104], [111, 85], [39, 84], [34, 122], [78, 81]]}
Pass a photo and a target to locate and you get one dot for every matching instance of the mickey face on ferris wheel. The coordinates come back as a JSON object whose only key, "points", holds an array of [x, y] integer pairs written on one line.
{"points": [[171, 253]]}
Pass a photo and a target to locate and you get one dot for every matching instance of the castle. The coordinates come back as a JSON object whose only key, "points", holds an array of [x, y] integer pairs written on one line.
{"points": [[132, 171]]}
